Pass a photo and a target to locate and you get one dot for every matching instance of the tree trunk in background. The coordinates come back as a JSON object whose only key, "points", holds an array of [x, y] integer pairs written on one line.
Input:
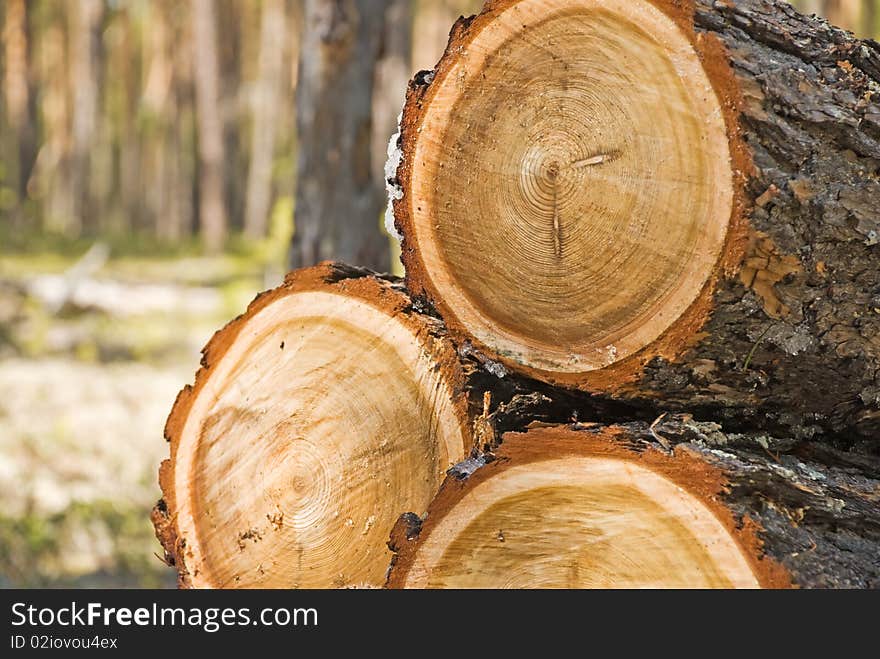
{"points": [[238, 27], [15, 93], [183, 182], [810, 6], [265, 102], [392, 75], [869, 19], [15, 74], [295, 30], [212, 205], [51, 181], [85, 79], [130, 209], [338, 200], [433, 18], [158, 100], [843, 13]]}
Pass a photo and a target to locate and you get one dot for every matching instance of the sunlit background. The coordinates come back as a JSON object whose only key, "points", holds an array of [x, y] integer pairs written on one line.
{"points": [[108, 284]]}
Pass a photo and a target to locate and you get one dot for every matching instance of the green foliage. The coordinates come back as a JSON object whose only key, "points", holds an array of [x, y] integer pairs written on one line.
{"points": [[100, 543]]}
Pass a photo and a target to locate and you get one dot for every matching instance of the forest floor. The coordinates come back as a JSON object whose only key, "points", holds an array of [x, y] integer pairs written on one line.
{"points": [[92, 354]]}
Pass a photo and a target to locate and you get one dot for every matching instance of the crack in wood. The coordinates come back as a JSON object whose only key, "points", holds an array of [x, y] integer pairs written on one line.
{"points": [[592, 160], [557, 233]]}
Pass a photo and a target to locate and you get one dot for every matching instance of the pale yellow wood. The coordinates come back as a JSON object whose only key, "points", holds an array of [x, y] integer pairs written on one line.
{"points": [[321, 423], [571, 183], [579, 522]]}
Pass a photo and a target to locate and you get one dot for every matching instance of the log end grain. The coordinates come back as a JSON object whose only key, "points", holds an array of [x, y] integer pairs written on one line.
{"points": [[565, 508], [599, 146], [289, 464]]}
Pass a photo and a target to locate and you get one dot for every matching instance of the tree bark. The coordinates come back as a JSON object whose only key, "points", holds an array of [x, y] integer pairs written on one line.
{"points": [[184, 166], [132, 214], [51, 176], [783, 334], [338, 199], [814, 335], [212, 204], [587, 505]]}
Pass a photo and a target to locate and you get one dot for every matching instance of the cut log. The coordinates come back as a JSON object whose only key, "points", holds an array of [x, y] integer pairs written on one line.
{"points": [[673, 504], [665, 201], [319, 415], [568, 180]]}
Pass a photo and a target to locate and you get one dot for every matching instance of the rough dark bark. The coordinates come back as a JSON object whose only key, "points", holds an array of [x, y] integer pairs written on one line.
{"points": [[811, 118], [338, 200], [816, 507], [809, 509]]}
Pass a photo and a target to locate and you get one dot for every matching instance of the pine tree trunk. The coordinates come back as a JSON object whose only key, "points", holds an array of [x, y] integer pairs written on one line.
{"points": [[694, 227], [184, 166], [212, 204], [432, 21], [85, 80], [159, 98], [869, 25], [264, 118], [845, 13], [16, 111], [338, 200]]}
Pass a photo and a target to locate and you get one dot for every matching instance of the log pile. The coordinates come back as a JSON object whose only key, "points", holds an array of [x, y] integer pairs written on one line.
{"points": [[637, 344]]}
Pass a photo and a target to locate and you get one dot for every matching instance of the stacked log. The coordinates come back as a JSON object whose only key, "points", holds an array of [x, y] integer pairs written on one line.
{"points": [[637, 345], [674, 504], [667, 202], [294, 452]]}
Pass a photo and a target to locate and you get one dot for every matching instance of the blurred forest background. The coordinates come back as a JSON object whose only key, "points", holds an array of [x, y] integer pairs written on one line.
{"points": [[161, 161]]}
